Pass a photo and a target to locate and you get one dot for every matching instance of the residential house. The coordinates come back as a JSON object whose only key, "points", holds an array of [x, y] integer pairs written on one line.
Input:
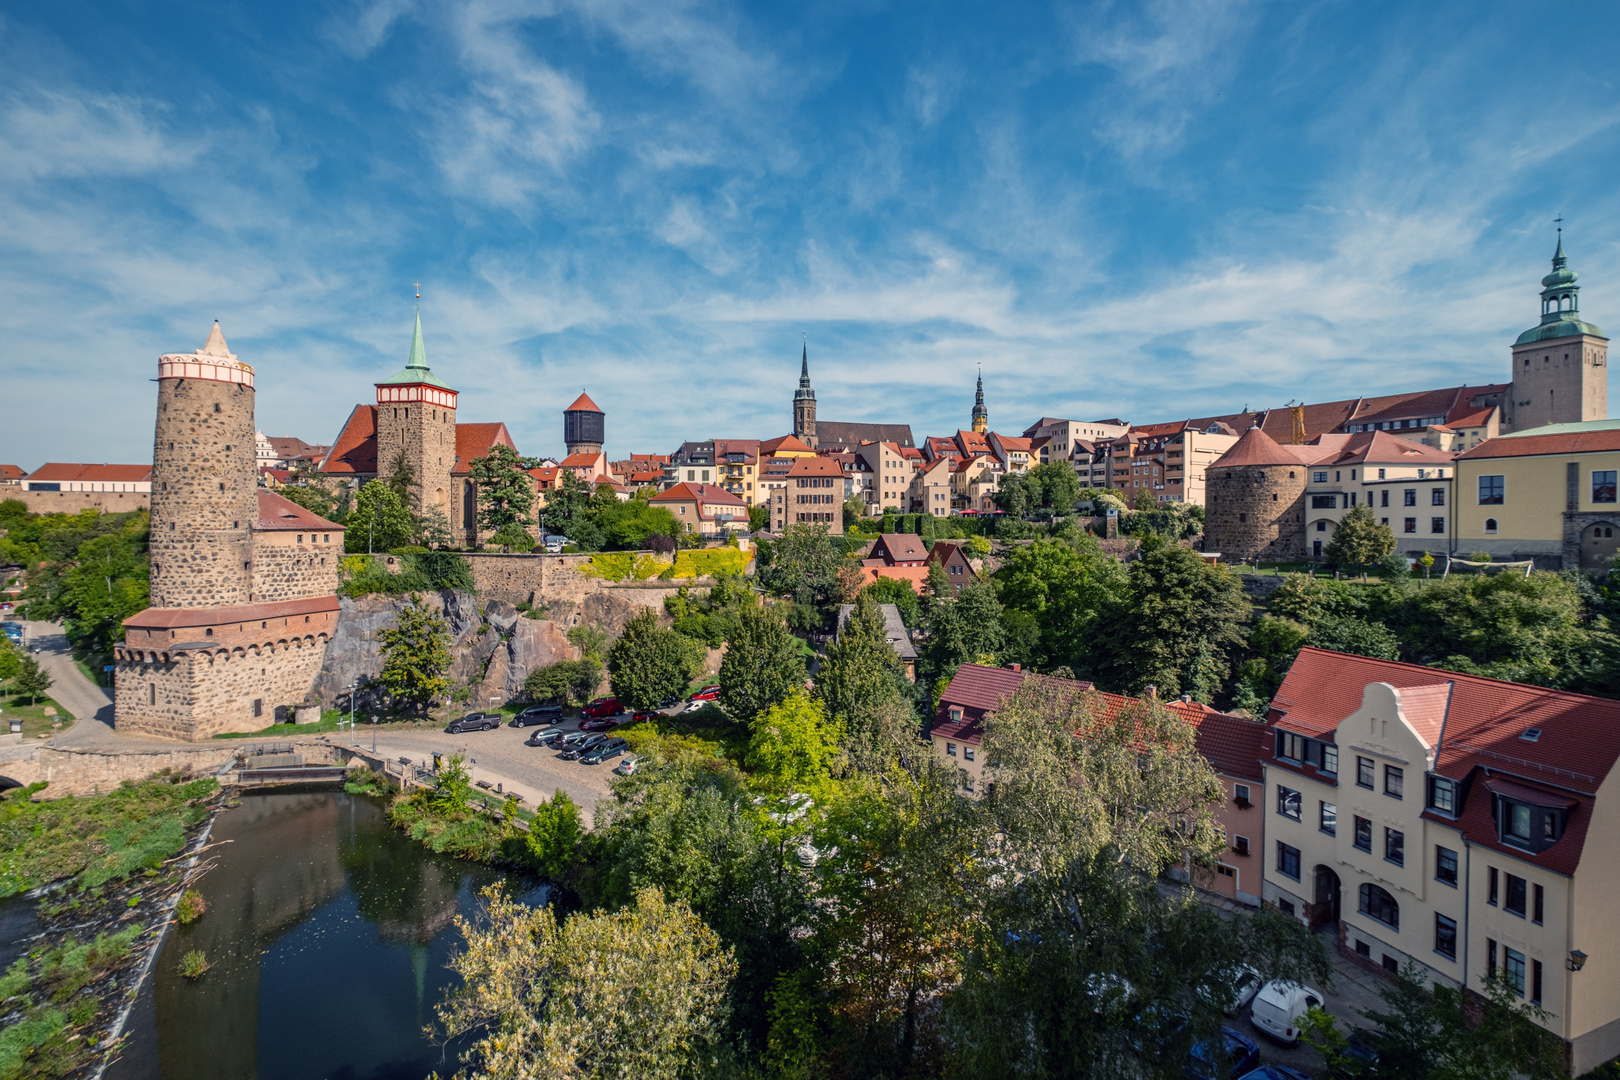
{"points": [[785, 446], [589, 467], [1547, 494], [11, 475], [973, 483], [953, 557], [545, 480], [286, 452], [1234, 746], [931, 488], [1014, 454], [1407, 484], [1463, 823], [1063, 435], [860, 482], [891, 473], [737, 465], [705, 509], [812, 495], [975, 692], [894, 628]]}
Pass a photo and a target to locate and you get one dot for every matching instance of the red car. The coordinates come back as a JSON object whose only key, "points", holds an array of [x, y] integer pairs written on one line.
{"points": [[645, 717], [708, 693], [603, 706], [600, 723]]}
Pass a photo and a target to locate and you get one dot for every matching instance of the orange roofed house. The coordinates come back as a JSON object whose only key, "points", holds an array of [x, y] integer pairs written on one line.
{"points": [[60, 488], [812, 494], [414, 420], [706, 509], [1468, 824]]}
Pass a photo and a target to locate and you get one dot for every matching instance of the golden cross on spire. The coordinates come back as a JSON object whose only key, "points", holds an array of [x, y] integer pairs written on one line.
{"points": [[418, 290]]}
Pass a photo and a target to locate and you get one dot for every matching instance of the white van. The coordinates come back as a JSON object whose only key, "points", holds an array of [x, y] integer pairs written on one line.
{"points": [[1279, 1005]]}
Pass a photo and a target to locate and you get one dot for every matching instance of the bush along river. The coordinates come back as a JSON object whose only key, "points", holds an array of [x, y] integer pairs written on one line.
{"points": [[325, 936]]}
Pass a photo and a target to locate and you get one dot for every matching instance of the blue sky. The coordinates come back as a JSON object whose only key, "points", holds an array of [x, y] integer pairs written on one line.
{"points": [[1146, 210]]}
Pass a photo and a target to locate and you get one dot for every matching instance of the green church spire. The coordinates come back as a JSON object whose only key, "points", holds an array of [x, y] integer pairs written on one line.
{"points": [[416, 366]]}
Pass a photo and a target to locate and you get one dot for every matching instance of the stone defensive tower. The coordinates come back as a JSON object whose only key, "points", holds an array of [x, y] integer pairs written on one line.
{"points": [[416, 428], [243, 581], [204, 480], [1560, 366], [804, 404], [584, 426], [1255, 502]]}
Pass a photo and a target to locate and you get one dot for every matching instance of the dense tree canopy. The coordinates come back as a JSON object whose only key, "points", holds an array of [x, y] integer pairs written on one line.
{"points": [[380, 520], [762, 665], [415, 656], [649, 662], [506, 492]]}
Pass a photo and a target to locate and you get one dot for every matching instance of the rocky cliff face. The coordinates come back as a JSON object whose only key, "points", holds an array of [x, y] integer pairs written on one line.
{"points": [[493, 648]]}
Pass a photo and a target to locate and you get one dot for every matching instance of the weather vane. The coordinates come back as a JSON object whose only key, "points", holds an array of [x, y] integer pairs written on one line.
{"points": [[418, 290]]}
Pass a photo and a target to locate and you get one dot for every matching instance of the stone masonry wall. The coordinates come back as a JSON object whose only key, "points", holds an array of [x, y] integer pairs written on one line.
{"points": [[71, 771], [71, 502], [531, 579], [427, 435], [199, 693], [294, 566], [204, 494]]}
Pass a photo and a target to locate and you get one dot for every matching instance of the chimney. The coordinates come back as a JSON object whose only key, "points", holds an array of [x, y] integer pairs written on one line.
{"points": [[1186, 699], [1152, 692], [1015, 667]]}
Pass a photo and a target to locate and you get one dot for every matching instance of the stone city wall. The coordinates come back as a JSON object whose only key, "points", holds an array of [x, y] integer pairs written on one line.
{"points": [[71, 771], [71, 502], [198, 693]]}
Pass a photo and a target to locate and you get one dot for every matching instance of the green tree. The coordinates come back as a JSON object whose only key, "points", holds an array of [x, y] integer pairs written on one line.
{"points": [[107, 583], [861, 674], [759, 518], [402, 479], [626, 525], [1065, 589], [543, 996], [591, 641], [1058, 487], [1360, 540], [11, 658], [312, 497], [31, 680], [1358, 636], [1144, 502], [649, 662], [380, 520], [415, 656], [1177, 624], [966, 629], [762, 665], [887, 590], [554, 835], [515, 537], [1506, 626], [563, 681], [793, 745], [506, 492], [433, 529], [1015, 496], [804, 564]]}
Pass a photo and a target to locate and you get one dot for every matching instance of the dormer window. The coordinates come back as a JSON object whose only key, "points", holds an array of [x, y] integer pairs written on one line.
{"points": [[1530, 734], [956, 715], [1443, 795]]}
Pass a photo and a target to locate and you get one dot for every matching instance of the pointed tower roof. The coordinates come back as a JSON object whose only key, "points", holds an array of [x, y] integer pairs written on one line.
{"points": [[804, 393], [416, 366], [583, 403], [215, 345], [1258, 448], [979, 411]]}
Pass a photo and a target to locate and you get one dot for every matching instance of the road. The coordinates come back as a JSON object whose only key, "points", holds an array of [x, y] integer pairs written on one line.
{"points": [[90, 705]]}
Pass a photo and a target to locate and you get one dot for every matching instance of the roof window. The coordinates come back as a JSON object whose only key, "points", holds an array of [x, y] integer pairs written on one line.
{"points": [[1530, 734]]}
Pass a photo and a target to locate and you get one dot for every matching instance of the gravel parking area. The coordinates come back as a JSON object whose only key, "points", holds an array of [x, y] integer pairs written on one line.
{"points": [[500, 757]]}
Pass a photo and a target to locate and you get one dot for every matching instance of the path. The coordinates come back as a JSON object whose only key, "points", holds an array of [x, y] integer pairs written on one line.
{"points": [[90, 705]]}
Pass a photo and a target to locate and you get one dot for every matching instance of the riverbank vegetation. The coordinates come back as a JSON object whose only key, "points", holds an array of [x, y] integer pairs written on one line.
{"points": [[109, 863]]}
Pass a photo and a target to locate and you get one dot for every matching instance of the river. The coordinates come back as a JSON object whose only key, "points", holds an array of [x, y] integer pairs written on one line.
{"points": [[328, 934]]}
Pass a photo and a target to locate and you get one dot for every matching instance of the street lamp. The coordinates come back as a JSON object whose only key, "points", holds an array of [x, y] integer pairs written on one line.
{"points": [[1576, 961], [373, 733]]}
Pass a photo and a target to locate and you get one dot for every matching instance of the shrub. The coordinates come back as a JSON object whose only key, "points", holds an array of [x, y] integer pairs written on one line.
{"points": [[190, 907], [193, 964]]}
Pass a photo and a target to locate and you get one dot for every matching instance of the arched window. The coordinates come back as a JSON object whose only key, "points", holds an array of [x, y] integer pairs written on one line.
{"points": [[1490, 524], [1378, 904]]}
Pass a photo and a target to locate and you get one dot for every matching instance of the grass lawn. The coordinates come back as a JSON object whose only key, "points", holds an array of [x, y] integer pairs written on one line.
{"points": [[36, 725]]}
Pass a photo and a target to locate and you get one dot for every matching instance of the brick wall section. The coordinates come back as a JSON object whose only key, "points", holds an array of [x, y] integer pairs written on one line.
{"points": [[71, 502], [197, 693], [293, 565], [204, 494], [1255, 512]]}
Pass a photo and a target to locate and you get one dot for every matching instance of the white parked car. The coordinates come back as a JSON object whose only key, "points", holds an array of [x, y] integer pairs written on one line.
{"points": [[1279, 1005]]}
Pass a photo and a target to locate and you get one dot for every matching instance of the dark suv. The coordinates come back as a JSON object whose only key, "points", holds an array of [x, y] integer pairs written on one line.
{"points": [[538, 714], [573, 751], [475, 721], [599, 753], [549, 736]]}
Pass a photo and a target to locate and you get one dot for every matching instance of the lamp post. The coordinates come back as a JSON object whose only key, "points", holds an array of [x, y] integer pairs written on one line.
{"points": [[373, 733], [352, 687]]}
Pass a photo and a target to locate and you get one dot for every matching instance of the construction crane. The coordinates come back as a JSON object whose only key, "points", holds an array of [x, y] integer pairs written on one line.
{"points": [[1297, 408]]}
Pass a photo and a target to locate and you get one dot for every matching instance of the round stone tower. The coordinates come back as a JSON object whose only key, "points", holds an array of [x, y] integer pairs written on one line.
{"points": [[204, 484], [1254, 498], [584, 426]]}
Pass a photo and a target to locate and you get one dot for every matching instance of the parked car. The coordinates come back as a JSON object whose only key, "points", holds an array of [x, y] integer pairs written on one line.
{"points": [[600, 723], [1236, 991], [12, 630], [537, 714], [1278, 1005], [644, 717], [599, 753], [573, 751], [569, 738], [695, 706], [545, 736], [475, 721], [554, 544], [670, 701], [603, 706], [1275, 1072], [1234, 1055], [708, 693], [627, 767], [1361, 1047]]}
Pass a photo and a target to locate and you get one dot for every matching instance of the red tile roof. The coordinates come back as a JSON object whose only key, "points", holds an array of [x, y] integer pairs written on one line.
{"points": [[699, 493], [277, 514], [786, 443], [1527, 445], [583, 403], [916, 575], [579, 461], [1382, 448], [1255, 447], [816, 466], [474, 441], [1234, 745], [176, 618], [354, 451], [546, 476], [57, 471], [899, 547], [11, 472], [978, 691]]}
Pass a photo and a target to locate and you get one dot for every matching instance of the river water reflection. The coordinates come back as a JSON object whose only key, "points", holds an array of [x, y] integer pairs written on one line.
{"points": [[328, 933]]}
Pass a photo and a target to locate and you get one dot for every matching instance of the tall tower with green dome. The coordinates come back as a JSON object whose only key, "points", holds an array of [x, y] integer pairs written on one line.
{"points": [[1560, 366], [416, 428]]}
